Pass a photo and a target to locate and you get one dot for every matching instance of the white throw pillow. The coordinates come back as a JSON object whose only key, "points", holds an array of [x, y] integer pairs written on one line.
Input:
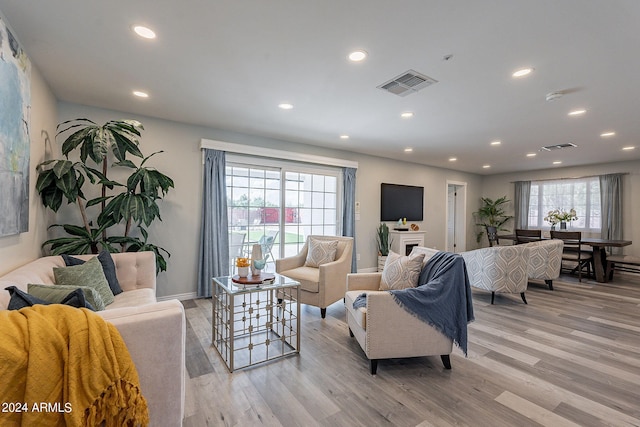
{"points": [[401, 272], [321, 252]]}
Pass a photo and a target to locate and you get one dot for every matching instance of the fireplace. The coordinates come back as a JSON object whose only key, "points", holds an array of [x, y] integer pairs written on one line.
{"points": [[403, 242]]}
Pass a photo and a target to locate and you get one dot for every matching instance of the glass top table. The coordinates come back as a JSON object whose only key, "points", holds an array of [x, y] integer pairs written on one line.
{"points": [[255, 323]]}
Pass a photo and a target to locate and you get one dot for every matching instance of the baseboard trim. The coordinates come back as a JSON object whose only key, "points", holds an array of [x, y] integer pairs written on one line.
{"points": [[181, 297]]}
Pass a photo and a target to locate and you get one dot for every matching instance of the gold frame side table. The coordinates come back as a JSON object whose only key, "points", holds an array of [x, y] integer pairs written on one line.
{"points": [[252, 324]]}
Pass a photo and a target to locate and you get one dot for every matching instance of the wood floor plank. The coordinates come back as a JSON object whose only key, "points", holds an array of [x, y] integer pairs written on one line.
{"points": [[569, 357]]}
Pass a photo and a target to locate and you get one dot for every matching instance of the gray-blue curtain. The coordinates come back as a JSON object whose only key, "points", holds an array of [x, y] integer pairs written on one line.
{"points": [[214, 243], [349, 214], [521, 204], [611, 207]]}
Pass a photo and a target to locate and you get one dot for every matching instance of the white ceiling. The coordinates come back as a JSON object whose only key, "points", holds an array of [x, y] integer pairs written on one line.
{"points": [[228, 64]]}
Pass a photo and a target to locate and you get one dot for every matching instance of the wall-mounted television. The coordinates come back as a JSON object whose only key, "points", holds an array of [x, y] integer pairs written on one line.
{"points": [[401, 201]]}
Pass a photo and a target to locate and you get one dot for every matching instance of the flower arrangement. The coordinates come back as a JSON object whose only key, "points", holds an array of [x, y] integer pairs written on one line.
{"points": [[243, 262], [243, 265], [555, 216]]}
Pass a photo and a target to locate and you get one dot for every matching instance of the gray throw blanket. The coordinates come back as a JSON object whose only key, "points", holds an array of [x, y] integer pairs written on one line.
{"points": [[442, 298]]}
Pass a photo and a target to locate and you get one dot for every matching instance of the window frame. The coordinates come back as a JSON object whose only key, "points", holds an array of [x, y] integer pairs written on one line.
{"points": [[284, 166], [591, 212]]}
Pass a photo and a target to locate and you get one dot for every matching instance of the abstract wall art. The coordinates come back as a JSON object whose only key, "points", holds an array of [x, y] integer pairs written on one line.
{"points": [[15, 108]]}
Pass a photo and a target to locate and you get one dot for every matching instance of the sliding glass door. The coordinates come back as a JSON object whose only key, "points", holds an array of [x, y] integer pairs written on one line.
{"points": [[278, 205]]}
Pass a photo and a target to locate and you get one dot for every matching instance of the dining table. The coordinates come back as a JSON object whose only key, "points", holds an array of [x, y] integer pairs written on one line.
{"points": [[598, 247]]}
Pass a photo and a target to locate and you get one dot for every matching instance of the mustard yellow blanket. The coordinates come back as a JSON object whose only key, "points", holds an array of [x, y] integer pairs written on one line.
{"points": [[64, 366]]}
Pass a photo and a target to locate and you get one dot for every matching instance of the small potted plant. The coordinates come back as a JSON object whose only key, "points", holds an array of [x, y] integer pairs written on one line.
{"points": [[384, 244], [243, 265]]}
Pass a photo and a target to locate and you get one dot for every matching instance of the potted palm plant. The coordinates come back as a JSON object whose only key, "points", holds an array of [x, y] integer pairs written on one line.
{"points": [[114, 215], [491, 214], [384, 244]]}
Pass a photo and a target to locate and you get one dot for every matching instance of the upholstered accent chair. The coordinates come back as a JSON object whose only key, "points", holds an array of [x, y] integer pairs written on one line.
{"points": [[323, 274], [384, 329], [545, 260], [573, 251], [502, 269]]}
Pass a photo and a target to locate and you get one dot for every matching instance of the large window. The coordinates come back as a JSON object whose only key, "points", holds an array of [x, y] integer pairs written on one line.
{"points": [[582, 194], [280, 203]]}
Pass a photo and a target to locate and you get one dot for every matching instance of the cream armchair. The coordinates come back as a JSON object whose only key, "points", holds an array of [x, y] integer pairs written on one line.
{"points": [[326, 284], [385, 330]]}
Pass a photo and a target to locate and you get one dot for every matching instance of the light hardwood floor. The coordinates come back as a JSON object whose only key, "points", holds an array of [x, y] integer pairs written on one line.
{"points": [[570, 357]]}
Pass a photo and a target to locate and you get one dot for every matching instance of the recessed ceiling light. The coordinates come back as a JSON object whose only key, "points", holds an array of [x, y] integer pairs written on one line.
{"points": [[522, 72], [358, 55], [531, 154], [144, 32], [577, 112], [344, 136], [486, 166], [453, 159], [496, 142], [557, 162], [285, 106], [607, 134], [140, 94], [406, 115], [408, 150], [628, 148]]}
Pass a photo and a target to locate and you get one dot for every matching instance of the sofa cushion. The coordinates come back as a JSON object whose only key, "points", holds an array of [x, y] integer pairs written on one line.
{"points": [[56, 293], [359, 314], [401, 272], [321, 252], [309, 278], [88, 274], [108, 268], [134, 298]]}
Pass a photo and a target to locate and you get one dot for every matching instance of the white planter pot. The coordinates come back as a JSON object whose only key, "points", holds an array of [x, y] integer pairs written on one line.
{"points": [[382, 259]]}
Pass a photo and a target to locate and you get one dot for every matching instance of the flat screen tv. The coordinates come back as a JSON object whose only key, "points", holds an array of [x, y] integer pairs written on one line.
{"points": [[401, 201]]}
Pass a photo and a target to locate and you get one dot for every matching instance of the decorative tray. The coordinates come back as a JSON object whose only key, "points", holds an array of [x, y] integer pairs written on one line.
{"points": [[260, 279]]}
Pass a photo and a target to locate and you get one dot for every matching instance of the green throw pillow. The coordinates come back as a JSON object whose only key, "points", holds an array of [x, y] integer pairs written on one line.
{"points": [[56, 293], [88, 274]]}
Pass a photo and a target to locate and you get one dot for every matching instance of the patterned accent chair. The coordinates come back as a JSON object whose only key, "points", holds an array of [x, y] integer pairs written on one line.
{"points": [[545, 260], [325, 284], [502, 269]]}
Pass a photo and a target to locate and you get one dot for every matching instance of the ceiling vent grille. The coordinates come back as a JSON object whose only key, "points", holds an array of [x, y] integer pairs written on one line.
{"points": [[407, 83], [559, 146]]}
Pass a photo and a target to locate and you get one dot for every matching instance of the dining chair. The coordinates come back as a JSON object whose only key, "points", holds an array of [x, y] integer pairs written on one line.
{"points": [[492, 235], [236, 247], [526, 236], [573, 251]]}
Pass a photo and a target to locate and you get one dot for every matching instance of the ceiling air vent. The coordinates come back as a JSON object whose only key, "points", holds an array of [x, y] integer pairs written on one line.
{"points": [[559, 146], [407, 83]]}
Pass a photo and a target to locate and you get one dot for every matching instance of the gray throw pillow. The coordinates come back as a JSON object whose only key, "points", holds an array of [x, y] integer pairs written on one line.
{"points": [[20, 299], [88, 274], [55, 294], [108, 267]]}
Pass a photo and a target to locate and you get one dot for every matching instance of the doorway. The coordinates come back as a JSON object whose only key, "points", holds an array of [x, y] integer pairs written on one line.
{"points": [[456, 213]]}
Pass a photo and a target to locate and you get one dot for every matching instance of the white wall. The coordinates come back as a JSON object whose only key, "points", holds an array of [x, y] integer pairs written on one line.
{"points": [[25, 247], [499, 185], [180, 229]]}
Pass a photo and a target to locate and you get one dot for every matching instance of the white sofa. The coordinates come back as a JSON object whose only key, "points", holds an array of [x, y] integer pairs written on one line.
{"points": [[154, 332]]}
